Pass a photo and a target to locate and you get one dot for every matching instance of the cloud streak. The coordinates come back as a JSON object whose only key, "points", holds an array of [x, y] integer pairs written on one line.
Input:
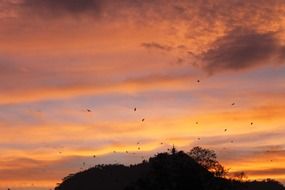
{"points": [[154, 45]]}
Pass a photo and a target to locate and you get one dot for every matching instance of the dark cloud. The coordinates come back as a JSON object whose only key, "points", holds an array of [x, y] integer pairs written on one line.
{"points": [[242, 49], [61, 7], [9, 66], [203, 15], [124, 9], [154, 45]]}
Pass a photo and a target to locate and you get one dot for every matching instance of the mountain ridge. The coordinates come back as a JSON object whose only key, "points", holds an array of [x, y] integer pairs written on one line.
{"points": [[164, 171]]}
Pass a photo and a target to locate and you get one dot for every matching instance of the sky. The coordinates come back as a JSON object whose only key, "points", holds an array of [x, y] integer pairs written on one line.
{"points": [[200, 73]]}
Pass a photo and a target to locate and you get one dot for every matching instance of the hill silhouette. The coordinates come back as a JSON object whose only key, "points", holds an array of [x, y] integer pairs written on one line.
{"points": [[165, 171]]}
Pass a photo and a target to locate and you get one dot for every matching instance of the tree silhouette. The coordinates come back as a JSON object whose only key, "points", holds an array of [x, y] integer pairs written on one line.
{"points": [[173, 171], [173, 150], [208, 159], [241, 176]]}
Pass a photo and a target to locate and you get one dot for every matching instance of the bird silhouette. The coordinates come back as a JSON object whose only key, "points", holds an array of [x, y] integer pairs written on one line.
{"points": [[135, 109], [251, 123], [88, 110], [233, 104], [198, 81], [143, 120], [225, 130]]}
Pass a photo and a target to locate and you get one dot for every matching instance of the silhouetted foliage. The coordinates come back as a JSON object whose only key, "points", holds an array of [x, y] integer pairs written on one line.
{"points": [[173, 171], [240, 176], [208, 159], [173, 150], [165, 171]]}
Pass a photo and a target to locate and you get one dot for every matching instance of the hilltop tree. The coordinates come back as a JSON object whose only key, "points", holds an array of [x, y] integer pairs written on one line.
{"points": [[208, 159], [173, 150], [241, 176]]}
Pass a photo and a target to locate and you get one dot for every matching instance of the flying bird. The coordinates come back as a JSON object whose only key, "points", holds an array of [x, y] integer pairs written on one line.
{"points": [[251, 123], [143, 120], [88, 110], [135, 109], [198, 81], [233, 104], [225, 130]]}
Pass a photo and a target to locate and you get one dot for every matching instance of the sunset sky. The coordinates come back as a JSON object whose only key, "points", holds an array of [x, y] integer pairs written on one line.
{"points": [[191, 68]]}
